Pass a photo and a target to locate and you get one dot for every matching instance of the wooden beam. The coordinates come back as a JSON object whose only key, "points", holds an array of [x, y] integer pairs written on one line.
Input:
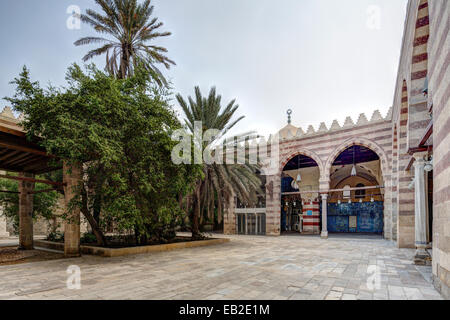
{"points": [[411, 151], [38, 166], [22, 148], [356, 189], [18, 157], [29, 160], [334, 190], [9, 130], [52, 183], [9, 154], [7, 191], [23, 160], [43, 191], [427, 135], [47, 169], [298, 192], [410, 163]]}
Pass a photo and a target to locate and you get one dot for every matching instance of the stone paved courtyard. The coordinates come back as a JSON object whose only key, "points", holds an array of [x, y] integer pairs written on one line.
{"points": [[288, 267]]}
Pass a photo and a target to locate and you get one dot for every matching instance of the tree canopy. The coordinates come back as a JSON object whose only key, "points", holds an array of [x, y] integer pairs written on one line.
{"points": [[43, 203], [120, 130], [128, 38], [221, 182]]}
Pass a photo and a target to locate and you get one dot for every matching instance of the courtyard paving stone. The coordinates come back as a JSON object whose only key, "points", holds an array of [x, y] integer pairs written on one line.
{"points": [[248, 267]]}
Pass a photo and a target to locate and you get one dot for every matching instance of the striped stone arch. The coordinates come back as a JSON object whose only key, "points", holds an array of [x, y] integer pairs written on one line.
{"points": [[419, 61], [403, 120], [418, 116], [304, 152], [359, 142]]}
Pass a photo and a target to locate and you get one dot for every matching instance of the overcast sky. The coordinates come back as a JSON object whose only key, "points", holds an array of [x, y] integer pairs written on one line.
{"points": [[324, 59]]}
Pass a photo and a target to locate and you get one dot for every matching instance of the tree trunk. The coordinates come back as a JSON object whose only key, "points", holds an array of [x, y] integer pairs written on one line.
{"points": [[124, 61], [101, 239], [97, 207], [180, 200], [195, 215]]}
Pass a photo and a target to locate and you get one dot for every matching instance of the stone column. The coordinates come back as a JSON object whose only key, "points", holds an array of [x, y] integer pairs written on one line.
{"points": [[72, 178], [3, 232], [422, 256], [324, 234], [229, 217], [387, 207], [273, 205], [26, 213]]}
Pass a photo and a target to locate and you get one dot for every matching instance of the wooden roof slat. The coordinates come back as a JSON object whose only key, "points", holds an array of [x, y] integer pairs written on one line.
{"points": [[9, 154], [30, 158], [12, 131], [36, 166], [18, 157], [22, 148], [53, 183], [20, 154]]}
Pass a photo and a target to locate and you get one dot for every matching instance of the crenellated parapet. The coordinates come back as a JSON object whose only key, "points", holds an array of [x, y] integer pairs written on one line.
{"points": [[8, 115], [9, 120], [291, 132]]}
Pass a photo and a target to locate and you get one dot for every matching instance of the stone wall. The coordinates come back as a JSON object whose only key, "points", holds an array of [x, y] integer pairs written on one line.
{"points": [[439, 95], [324, 146], [405, 195], [423, 88]]}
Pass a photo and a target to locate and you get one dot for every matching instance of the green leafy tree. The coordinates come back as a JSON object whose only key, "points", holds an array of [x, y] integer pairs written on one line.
{"points": [[220, 181], [120, 130], [43, 203], [130, 32]]}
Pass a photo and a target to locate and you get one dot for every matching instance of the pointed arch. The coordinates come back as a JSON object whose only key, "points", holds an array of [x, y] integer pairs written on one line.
{"points": [[360, 142], [419, 60], [418, 116], [303, 152]]}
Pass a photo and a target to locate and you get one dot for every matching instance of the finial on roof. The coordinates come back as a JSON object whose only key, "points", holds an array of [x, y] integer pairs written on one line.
{"points": [[289, 112]]}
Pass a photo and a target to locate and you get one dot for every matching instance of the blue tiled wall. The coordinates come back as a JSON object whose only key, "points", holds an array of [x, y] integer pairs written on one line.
{"points": [[369, 217]]}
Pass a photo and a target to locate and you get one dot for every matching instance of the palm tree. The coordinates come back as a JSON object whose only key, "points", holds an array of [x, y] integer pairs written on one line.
{"points": [[131, 29], [221, 182]]}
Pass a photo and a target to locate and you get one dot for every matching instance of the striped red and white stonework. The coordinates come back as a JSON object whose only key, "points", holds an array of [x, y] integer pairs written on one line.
{"points": [[425, 58], [424, 64], [311, 217]]}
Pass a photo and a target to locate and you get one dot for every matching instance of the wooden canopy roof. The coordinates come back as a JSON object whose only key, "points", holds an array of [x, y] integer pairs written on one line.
{"points": [[18, 154]]}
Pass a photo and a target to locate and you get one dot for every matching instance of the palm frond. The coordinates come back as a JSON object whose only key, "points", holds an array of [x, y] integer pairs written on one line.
{"points": [[221, 181], [132, 31]]}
